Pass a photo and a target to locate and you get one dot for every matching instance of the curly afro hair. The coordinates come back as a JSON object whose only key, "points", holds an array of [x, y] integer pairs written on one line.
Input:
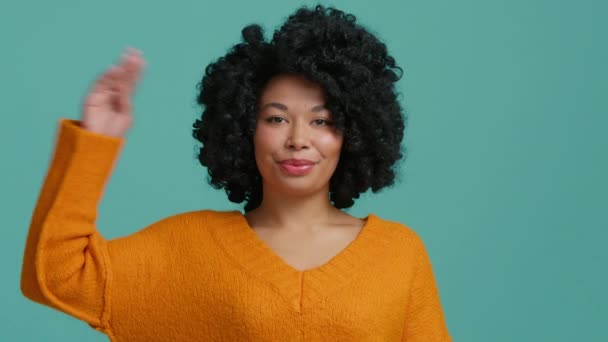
{"points": [[325, 46]]}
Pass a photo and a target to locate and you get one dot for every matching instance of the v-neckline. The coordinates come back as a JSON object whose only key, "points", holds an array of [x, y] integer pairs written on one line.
{"points": [[263, 245], [300, 288]]}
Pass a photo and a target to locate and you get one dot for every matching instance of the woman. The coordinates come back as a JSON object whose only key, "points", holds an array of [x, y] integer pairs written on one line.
{"points": [[297, 128]]}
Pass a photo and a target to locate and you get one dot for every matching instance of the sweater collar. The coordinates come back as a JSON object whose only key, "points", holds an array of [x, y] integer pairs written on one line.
{"points": [[300, 288]]}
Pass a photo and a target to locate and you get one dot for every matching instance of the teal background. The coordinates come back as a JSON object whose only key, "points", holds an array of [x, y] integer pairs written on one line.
{"points": [[505, 178]]}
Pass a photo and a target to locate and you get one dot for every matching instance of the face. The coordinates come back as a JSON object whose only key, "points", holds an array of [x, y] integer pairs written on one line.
{"points": [[292, 123]]}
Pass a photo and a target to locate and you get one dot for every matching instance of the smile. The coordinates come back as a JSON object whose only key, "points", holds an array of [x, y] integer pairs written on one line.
{"points": [[296, 170]]}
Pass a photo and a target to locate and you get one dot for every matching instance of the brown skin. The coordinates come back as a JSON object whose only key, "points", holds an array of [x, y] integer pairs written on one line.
{"points": [[107, 107], [296, 218]]}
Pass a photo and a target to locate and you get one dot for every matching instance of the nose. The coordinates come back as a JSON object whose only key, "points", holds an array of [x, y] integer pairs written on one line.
{"points": [[298, 137]]}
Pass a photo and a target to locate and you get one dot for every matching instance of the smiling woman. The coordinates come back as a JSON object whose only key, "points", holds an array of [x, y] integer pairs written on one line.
{"points": [[341, 66], [293, 137], [297, 128]]}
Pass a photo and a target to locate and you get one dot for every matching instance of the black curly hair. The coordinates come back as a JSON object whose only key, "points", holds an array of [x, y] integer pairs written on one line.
{"points": [[325, 46]]}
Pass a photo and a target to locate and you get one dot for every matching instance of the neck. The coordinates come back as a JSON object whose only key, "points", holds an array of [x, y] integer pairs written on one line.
{"points": [[286, 212]]}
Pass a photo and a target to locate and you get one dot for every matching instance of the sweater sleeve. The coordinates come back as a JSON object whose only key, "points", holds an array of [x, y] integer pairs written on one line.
{"points": [[425, 318], [65, 264]]}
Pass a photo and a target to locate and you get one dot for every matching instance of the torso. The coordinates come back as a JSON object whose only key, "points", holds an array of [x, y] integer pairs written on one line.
{"points": [[306, 250]]}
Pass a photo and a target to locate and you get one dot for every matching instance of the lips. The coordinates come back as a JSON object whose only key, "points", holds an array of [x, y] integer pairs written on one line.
{"points": [[297, 167], [297, 162]]}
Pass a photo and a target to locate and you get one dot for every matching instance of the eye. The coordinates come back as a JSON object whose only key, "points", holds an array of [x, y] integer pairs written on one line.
{"points": [[274, 119], [323, 122]]}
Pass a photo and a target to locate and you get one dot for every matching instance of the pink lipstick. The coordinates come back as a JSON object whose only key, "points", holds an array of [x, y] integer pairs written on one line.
{"points": [[296, 167]]}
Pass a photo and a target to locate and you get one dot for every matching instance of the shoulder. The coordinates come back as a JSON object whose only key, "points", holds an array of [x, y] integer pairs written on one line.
{"points": [[199, 216], [401, 233], [184, 224], [405, 245], [207, 215]]}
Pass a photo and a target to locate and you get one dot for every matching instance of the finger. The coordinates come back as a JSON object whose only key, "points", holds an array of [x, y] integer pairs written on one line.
{"points": [[117, 79], [129, 67], [137, 73], [134, 65], [118, 70], [124, 101], [104, 85], [107, 80]]}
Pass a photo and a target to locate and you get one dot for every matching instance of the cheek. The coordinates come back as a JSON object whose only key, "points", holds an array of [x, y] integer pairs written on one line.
{"points": [[264, 140], [329, 144]]}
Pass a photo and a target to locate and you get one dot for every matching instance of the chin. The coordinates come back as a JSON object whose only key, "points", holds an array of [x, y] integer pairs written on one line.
{"points": [[295, 186]]}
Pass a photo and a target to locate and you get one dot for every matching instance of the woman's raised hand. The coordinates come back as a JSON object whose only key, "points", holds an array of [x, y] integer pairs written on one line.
{"points": [[107, 107]]}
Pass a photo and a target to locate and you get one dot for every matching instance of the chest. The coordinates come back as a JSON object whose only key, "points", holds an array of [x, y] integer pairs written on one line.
{"points": [[304, 251]]}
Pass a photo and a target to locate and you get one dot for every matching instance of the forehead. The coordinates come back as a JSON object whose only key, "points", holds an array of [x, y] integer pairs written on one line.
{"points": [[291, 88]]}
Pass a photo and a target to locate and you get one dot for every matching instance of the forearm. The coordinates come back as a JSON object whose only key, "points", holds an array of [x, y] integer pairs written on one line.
{"points": [[65, 259]]}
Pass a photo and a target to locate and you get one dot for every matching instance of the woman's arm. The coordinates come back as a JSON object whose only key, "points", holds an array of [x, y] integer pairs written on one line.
{"points": [[65, 264], [66, 259]]}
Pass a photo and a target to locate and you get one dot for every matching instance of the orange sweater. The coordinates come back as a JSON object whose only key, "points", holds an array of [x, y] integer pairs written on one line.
{"points": [[205, 275]]}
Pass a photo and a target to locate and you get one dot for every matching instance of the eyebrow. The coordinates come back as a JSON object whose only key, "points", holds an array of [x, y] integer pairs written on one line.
{"points": [[281, 106]]}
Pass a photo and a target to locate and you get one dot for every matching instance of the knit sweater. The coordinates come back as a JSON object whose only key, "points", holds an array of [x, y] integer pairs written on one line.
{"points": [[205, 275]]}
